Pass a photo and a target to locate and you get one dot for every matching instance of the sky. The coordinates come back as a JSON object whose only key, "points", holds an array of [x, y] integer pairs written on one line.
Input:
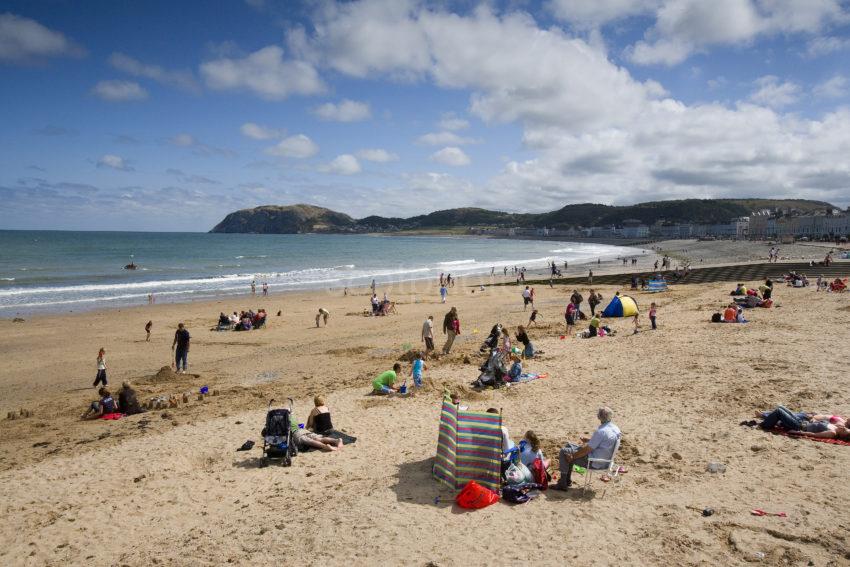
{"points": [[166, 116]]}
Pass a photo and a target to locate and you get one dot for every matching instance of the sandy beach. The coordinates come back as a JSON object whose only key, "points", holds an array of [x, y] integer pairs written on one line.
{"points": [[167, 487]]}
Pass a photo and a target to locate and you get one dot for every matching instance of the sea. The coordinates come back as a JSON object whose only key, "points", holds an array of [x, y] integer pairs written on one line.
{"points": [[61, 271]]}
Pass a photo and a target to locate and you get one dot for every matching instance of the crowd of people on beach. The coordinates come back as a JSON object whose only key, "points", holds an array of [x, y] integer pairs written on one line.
{"points": [[506, 355]]}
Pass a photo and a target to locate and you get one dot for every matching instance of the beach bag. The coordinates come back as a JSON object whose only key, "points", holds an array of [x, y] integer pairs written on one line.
{"points": [[539, 474], [518, 494], [518, 473], [474, 496]]}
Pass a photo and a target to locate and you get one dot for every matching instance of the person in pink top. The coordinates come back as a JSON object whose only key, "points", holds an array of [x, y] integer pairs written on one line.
{"points": [[570, 316]]}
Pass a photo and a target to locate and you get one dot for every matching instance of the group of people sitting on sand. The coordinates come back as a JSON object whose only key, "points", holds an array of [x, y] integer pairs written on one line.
{"points": [[794, 279], [837, 285], [107, 407], [596, 452], [748, 298], [381, 307], [504, 361], [244, 321], [804, 424]]}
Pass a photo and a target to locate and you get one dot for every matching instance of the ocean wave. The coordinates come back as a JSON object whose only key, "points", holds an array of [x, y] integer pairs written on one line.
{"points": [[456, 262]]}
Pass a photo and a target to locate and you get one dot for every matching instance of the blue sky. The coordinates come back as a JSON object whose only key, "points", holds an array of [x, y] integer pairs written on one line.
{"points": [[168, 115]]}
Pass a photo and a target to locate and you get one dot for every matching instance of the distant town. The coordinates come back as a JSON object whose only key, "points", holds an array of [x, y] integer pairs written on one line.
{"points": [[766, 224]]}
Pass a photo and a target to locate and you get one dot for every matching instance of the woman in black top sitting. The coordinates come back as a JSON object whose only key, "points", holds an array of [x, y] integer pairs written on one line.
{"points": [[522, 336], [319, 419]]}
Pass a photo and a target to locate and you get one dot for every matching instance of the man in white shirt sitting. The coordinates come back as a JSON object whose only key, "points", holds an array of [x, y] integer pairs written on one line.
{"points": [[600, 446]]}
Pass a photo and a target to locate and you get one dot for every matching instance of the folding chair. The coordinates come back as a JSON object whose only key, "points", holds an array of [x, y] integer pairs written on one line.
{"points": [[612, 469]]}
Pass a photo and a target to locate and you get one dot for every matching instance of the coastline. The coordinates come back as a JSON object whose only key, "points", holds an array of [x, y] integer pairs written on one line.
{"points": [[177, 490]]}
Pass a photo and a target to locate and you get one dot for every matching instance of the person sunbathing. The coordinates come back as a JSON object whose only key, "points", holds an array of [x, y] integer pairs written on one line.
{"points": [[840, 432], [302, 437], [105, 405], [802, 422], [319, 419]]}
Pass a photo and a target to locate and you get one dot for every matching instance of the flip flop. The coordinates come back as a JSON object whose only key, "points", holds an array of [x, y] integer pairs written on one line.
{"points": [[760, 512], [246, 446]]}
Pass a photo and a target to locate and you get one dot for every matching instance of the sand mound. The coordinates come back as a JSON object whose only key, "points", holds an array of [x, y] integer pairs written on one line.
{"points": [[166, 374]]}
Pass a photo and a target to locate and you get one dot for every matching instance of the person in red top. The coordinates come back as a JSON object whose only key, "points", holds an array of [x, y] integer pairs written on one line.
{"points": [[451, 327], [570, 316]]}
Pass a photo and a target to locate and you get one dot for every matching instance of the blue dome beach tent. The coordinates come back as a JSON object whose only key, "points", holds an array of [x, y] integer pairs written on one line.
{"points": [[621, 306]]}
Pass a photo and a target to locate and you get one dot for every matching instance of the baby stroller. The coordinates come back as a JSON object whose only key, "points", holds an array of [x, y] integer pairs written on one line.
{"points": [[492, 371], [278, 443], [492, 340]]}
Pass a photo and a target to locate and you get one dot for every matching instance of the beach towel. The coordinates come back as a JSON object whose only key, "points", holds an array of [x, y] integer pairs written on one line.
{"points": [[777, 431], [333, 434], [469, 447], [112, 416], [528, 377]]}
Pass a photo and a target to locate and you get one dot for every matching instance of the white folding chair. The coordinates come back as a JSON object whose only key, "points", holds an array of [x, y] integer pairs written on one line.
{"points": [[611, 468]]}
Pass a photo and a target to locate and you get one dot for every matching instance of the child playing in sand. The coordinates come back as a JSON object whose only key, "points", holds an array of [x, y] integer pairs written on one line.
{"points": [[322, 315], [148, 328], [417, 369], [516, 368], [529, 450], [383, 383], [532, 321], [637, 323], [652, 311], [101, 368]]}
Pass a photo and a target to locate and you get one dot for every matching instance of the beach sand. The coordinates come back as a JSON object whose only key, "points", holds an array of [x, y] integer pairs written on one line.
{"points": [[167, 487]]}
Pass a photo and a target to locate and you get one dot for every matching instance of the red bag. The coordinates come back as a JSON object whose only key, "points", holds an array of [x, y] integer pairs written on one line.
{"points": [[538, 471], [474, 496]]}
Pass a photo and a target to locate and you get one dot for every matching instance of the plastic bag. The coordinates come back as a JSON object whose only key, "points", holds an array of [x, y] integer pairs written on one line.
{"points": [[474, 496]]}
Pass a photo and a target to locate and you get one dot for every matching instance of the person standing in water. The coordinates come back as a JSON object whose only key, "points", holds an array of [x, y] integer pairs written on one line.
{"points": [[148, 328], [101, 368], [253, 287]]}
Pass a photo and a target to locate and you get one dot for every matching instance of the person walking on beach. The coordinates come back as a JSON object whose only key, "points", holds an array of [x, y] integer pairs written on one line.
{"points": [[593, 301], [428, 335], [416, 370], [101, 368], [443, 293], [375, 304], [180, 346], [148, 328], [323, 314], [526, 298], [265, 289], [653, 309], [451, 328], [373, 286], [532, 320], [590, 277]]}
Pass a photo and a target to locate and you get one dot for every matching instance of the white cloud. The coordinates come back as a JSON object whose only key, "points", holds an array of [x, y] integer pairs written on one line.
{"points": [[586, 14], [444, 138], [775, 93], [683, 27], [597, 131], [119, 91], [23, 40], [826, 45], [834, 87], [345, 111], [377, 155], [452, 122], [451, 156], [259, 132], [345, 164], [265, 73], [185, 140], [298, 146], [113, 162], [181, 79]]}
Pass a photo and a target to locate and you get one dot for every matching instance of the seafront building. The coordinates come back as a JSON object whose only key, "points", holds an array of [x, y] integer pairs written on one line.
{"points": [[760, 225]]}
